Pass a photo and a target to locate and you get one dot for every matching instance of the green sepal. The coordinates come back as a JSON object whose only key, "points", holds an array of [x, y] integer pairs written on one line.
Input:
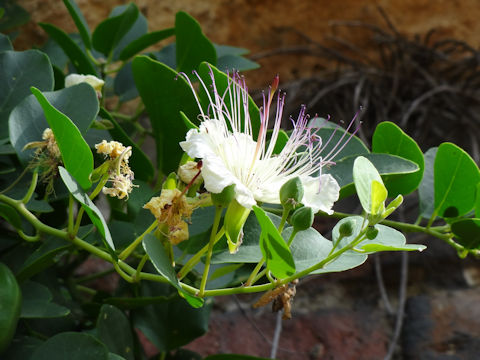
{"points": [[235, 218]]}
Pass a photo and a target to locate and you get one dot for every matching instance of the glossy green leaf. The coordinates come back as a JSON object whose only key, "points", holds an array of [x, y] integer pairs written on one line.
{"points": [[129, 303], [165, 94], [154, 248], [77, 57], [76, 154], [238, 63], [387, 239], [90, 208], [27, 121], [140, 163], [110, 32], [37, 302], [137, 30], [12, 16], [5, 43], [467, 232], [114, 330], [80, 22], [170, 324], [193, 47], [477, 202], [364, 174], [336, 140], [455, 179], [19, 71], [385, 164], [43, 257], [144, 42], [10, 214], [275, 251], [426, 190], [309, 247], [223, 50], [388, 138], [72, 346], [124, 84], [222, 81], [378, 196]]}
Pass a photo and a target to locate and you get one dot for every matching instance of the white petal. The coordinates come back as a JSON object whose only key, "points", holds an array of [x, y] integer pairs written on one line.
{"points": [[320, 193]]}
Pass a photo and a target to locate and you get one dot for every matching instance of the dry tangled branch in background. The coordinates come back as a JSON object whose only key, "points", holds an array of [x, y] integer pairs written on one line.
{"points": [[427, 86]]}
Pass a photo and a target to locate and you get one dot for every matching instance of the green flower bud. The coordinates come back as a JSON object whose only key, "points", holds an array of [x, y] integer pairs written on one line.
{"points": [[171, 182], [372, 232], [235, 218], [302, 218], [225, 197], [291, 193], [346, 229]]}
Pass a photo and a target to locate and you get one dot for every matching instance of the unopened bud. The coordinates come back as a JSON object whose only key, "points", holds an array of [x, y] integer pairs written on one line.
{"points": [[302, 219], [346, 229], [372, 232], [291, 193]]}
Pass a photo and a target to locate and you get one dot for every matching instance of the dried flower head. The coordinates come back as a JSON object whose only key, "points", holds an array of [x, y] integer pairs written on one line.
{"points": [[121, 176], [281, 298], [47, 157], [172, 208]]}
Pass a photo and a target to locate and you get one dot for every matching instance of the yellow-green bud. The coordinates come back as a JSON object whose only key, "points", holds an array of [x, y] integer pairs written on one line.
{"points": [[225, 197], [291, 193], [302, 218]]}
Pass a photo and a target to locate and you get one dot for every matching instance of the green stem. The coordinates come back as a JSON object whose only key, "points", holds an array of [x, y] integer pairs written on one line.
{"points": [[292, 236], [70, 214], [130, 248], [195, 259], [144, 259], [94, 276], [253, 275], [31, 188], [213, 235]]}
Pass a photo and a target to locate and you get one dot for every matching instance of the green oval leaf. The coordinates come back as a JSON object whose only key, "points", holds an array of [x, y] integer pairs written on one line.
{"points": [[80, 22], [467, 232], [154, 248], [364, 175], [385, 164], [138, 29], [144, 42], [455, 179], [77, 57], [111, 31], [388, 138], [27, 121], [426, 190], [333, 136], [76, 154], [19, 71], [234, 62], [72, 346], [90, 208], [193, 47], [163, 104], [114, 330], [37, 303], [275, 251]]}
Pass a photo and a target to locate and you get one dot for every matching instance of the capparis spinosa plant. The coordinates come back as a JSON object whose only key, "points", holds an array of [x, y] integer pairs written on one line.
{"points": [[226, 206]]}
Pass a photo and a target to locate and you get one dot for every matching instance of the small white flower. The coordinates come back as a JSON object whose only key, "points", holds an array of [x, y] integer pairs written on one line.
{"points": [[74, 79], [230, 155]]}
